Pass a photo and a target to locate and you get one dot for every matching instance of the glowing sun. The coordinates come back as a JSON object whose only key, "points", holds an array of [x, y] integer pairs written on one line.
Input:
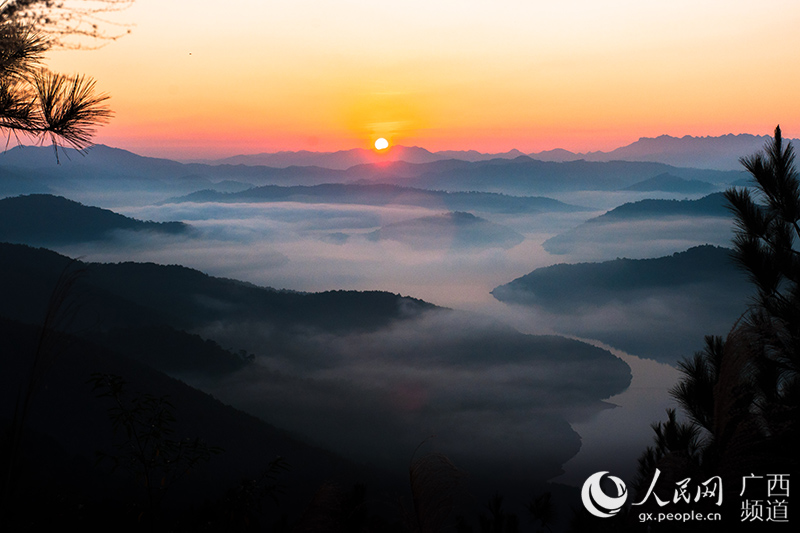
{"points": [[381, 144]]}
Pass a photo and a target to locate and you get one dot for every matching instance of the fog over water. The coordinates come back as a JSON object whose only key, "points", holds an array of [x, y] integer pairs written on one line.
{"points": [[317, 247], [289, 245]]}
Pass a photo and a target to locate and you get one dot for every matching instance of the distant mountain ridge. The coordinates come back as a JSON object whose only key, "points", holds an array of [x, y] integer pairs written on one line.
{"points": [[103, 168], [344, 159], [720, 152], [710, 152], [384, 194], [454, 230], [666, 182]]}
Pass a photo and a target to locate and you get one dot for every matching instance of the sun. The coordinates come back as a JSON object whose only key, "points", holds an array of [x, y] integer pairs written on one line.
{"points": [[381, 144]]}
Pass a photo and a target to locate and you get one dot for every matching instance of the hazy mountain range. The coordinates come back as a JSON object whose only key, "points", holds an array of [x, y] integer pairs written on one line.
{"points": [[107, 168], [668, 183], [382, 194], [456, 230], [721, 153], [345, 159], [363, 375]]}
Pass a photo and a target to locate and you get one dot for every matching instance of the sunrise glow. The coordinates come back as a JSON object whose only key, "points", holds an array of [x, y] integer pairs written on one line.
{"points": [[416, 246], [489, 76]]}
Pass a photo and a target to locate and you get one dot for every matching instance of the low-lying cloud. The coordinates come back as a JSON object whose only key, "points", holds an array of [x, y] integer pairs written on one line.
{"points": [[494, 398], [376, 395]]}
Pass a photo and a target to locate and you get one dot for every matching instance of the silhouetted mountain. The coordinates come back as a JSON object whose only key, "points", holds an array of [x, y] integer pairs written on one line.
{"points": [[319, 358], [565, 286], [457, 230], [680, 298], [720, 153], [232, 186], [105, 169], [473, 155], [102, 167], [129, 320], [174, 352], [17, 181], [67, 425], [141, 309], [557, 155], [710, 152], [526, 176], [344, 159], [668, 183], [638, 224], [712, 205], [42, 219], [99, 156], [378, 194], [339, 160], [145, 294]]}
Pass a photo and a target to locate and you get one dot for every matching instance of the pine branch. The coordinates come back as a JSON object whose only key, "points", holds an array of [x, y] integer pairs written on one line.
{"points": [[70, 109]]}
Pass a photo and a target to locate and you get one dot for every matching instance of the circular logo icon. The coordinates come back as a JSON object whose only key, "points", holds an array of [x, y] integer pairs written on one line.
{"points": [[598, 502]]}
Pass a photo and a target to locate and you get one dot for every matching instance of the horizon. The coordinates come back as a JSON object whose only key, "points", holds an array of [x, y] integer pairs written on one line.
{"points": [[459, 246], [157, 155], [320, 77]]}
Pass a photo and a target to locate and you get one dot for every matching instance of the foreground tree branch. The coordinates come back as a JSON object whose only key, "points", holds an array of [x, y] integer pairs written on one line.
{"points": [[69, 23], [742, 394], [34, 102]]}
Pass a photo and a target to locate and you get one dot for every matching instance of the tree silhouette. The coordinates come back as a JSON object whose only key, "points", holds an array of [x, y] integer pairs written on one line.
{"points": [[741, 394], [35, 102], [542, 510], [762, 353], [73, 24], [149, 452]]}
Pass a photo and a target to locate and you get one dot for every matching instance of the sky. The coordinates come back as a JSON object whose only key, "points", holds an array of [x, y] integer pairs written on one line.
{"points": [[201, 79]]}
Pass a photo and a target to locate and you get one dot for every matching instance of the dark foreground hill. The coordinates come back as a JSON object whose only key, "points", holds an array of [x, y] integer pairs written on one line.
{"points": [[659, 308], [44, 219], [146, 295], [59, 480], [366, 375], [128, 320]]}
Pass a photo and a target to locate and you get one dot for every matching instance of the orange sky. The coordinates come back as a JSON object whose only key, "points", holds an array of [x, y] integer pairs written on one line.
{"points": [[209, 79]]}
